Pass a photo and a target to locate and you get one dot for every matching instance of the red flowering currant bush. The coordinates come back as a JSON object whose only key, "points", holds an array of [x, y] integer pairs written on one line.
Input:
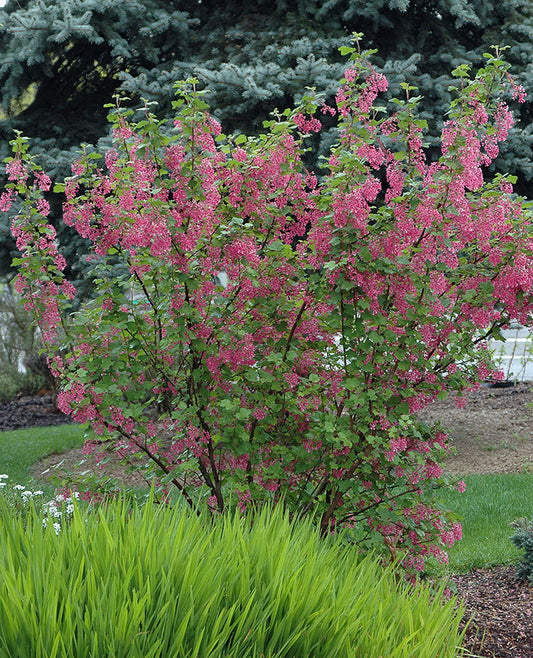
{"points": [[260, 334]]}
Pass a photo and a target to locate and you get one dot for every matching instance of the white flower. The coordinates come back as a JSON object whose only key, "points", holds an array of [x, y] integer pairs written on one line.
{"points": [[57, 527], [3, 484], [38, 493], [52, 510], [19, 487], [27, 494], [3, 476]]}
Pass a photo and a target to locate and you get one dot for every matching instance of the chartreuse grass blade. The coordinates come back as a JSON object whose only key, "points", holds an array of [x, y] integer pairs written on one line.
{"points": [[147, 582]]}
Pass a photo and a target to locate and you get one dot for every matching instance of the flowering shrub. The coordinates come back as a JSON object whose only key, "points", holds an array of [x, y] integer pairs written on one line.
{"points": [[260, 334]]}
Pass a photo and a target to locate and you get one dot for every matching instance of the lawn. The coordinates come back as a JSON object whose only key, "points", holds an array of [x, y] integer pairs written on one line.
{"points": [[20, 449], [487, 507]]}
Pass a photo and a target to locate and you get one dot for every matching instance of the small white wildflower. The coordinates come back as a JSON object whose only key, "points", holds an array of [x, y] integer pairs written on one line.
{"points": [[38, 492], [69, 508], [57, 527], [3, 484], [27, 494], [3, 476], [52, 510], [19, 487], [75, 495]]}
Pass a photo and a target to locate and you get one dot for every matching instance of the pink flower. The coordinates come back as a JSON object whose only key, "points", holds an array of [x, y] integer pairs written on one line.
{"points": [[16, 170], [260, 413], [307, 125], [240, 154], [6, 199], [43, 180]]}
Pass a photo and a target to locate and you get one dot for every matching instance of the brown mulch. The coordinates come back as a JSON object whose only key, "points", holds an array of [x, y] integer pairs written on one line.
{"points": [[493, 433], [61, 467], [30, 411], [502, 610]]}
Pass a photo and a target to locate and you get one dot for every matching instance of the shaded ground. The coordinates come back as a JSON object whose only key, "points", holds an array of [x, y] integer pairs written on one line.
{"points": [[74, 462], [492, 433]]}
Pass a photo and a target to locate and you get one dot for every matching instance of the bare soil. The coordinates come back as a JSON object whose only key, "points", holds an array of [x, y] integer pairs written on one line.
{"points": [[491, 433]]}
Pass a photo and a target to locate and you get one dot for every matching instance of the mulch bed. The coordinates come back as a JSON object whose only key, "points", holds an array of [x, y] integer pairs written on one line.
{"points": [[30, 411], [502, 610], [501, 606]]}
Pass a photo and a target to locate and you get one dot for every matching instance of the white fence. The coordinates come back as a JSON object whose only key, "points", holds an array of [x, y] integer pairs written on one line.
{"points": [[516, 353]]}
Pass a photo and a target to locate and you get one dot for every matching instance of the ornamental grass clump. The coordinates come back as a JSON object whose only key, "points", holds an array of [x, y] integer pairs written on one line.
{"points": [[260, 334], [157, 581]]}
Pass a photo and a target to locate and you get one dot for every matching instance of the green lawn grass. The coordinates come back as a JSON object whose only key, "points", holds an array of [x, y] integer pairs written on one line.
{"points": [[487, 507], [20, 449]]}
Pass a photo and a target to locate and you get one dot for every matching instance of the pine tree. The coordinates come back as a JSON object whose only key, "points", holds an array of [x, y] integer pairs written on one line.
{"points": [[69, 57]]}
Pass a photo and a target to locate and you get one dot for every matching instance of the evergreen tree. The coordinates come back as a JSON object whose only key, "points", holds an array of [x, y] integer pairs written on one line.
{"points": [[67, 58]]}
